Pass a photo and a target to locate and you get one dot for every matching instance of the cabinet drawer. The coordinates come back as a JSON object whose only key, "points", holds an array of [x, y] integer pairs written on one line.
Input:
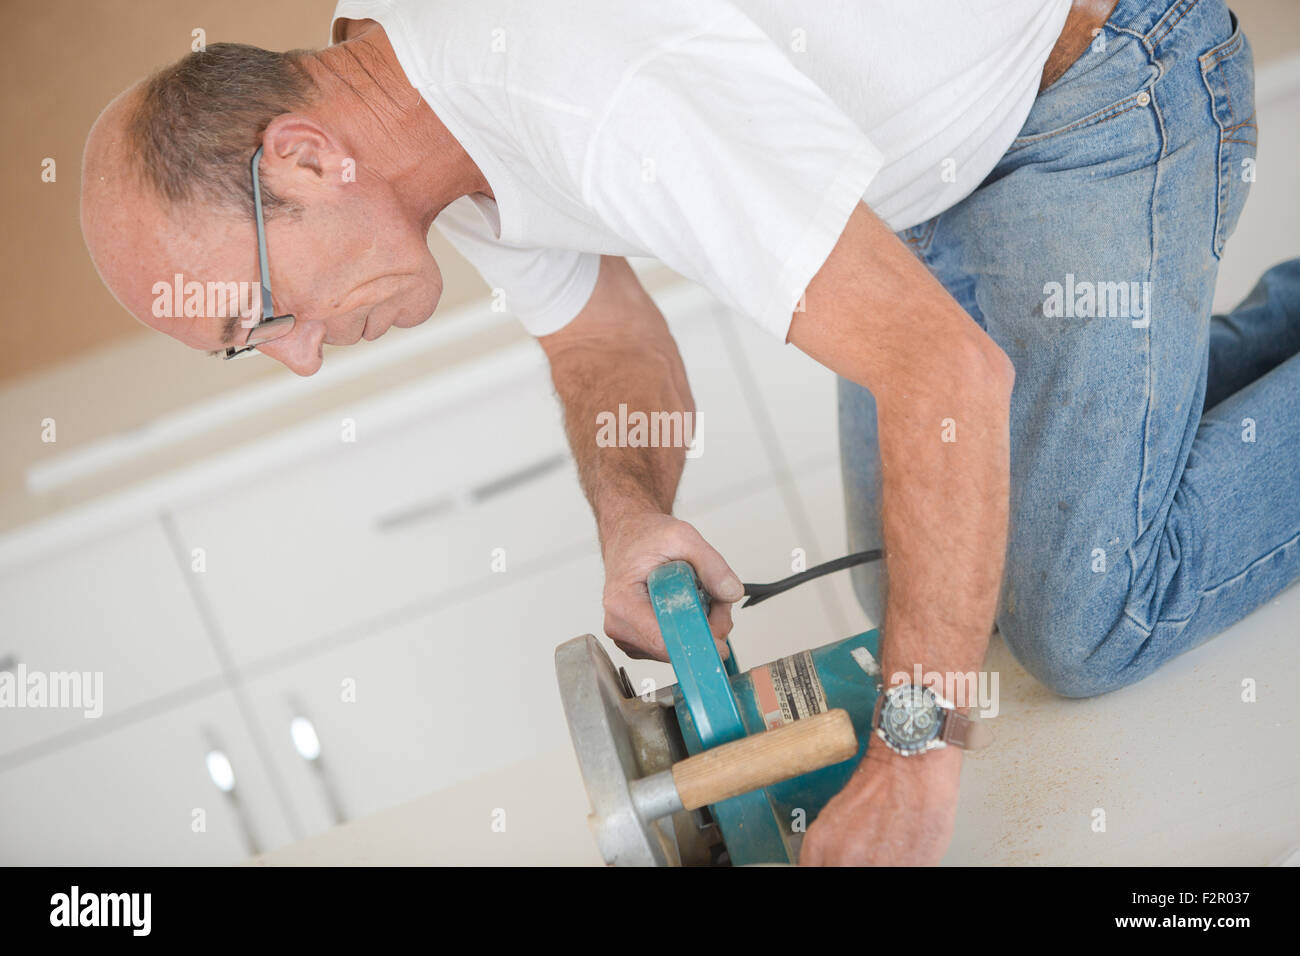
{"points": [[432, 701], [118, 607], [128, 797]]}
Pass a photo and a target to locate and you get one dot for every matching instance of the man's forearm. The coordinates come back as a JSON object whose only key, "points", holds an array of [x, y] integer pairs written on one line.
{"points": [[876, 316], [944, 450], [613, 362], [617, 478]]}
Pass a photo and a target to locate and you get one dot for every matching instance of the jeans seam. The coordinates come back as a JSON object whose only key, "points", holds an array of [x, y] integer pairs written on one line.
{"points": [[1146, 332], [1139, 516], [1134, 34], [1186, 8], [1232, 130], [1148, 631], [1212, 59], [1232, 110], [1248, 568]]}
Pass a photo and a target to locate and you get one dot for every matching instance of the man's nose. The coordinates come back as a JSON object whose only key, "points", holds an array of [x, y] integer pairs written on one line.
{"points": [[300, 350]]}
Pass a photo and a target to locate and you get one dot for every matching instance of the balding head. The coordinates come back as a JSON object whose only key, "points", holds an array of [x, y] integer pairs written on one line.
{"points": [[138, 237], [167, 212]]}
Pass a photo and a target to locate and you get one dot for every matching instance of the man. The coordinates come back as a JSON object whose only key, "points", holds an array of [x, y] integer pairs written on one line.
{"points": [[932, 200]]}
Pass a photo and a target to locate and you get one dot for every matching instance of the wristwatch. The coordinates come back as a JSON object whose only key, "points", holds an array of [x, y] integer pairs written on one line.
{"points": [[912, 719]]}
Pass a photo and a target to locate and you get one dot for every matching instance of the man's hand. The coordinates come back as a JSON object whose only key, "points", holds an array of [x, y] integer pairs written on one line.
{"points": [[618, 351], [895, 811], [635, 544]]}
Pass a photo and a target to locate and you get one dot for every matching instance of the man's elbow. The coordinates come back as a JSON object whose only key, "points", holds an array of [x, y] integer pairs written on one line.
{"points": [[971, 367]]}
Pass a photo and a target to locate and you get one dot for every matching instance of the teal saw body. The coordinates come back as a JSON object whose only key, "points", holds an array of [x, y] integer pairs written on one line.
{"points": [[715, 705]]}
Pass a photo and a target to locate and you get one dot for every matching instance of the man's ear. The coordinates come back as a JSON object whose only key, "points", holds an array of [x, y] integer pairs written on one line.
{"points": [[294, 144]]}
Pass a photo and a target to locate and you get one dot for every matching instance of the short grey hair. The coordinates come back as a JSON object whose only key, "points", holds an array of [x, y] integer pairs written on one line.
{"points": [[198, 122]]}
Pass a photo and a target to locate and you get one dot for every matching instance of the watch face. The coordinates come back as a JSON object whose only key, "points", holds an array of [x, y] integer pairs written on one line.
{"points": [[911, 717]]}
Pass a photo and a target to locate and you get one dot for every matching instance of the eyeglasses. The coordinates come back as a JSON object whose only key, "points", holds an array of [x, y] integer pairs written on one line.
{"points": [[265, 329]]}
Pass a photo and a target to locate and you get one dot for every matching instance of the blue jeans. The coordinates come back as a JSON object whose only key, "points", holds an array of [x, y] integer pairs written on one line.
{"points": [[1155, 448]]}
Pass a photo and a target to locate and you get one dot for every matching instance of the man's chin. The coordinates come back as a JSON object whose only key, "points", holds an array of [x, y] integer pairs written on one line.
{"points": [[418, 316]]}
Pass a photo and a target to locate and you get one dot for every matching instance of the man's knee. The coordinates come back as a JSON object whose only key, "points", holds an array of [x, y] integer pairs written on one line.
{"points": [[1074, 654]]}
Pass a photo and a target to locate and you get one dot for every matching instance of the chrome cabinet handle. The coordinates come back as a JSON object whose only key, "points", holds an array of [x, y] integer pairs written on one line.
{"points": [[222, 774], [306, 742]]}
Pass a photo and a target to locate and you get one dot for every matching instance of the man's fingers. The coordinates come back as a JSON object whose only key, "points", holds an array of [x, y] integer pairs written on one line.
{"points": [[634, 629], [720, 622], [720, 625], [714, 572], [632, 651], [632, 623]]}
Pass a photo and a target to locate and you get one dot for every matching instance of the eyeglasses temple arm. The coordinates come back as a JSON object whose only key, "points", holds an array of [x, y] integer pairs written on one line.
{"points": [[268, 306]]}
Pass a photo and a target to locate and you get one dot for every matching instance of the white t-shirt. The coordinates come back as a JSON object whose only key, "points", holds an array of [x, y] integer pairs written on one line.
{"points": [[730, 139]]}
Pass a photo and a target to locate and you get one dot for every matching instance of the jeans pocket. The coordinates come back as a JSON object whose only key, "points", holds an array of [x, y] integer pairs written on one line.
{"points": [[1108, 80], [1229, 74]]}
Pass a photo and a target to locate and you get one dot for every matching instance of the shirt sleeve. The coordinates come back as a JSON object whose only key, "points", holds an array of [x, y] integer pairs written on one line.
{"points": [[723, 160], [544, 288]]}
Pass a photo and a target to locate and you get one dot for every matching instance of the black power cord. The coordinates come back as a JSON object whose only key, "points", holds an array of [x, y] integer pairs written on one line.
{"points": [[761, 592]]}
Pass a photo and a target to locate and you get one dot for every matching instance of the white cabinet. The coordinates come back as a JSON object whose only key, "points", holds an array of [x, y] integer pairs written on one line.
{"points": [[384, 524], [434, 701], [130, 795], [531, 813], [732, 452], [118, 607]]}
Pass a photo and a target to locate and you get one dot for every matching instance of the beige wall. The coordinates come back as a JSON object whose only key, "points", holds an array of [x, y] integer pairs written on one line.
{"points": [[1272, 25], [60, 63]]}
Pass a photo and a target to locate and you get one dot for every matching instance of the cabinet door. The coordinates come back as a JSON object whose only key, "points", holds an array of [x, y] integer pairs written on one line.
{"points": [[531, 813], [373, 528], [116, 608], [433, 701], [141, 794]]}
